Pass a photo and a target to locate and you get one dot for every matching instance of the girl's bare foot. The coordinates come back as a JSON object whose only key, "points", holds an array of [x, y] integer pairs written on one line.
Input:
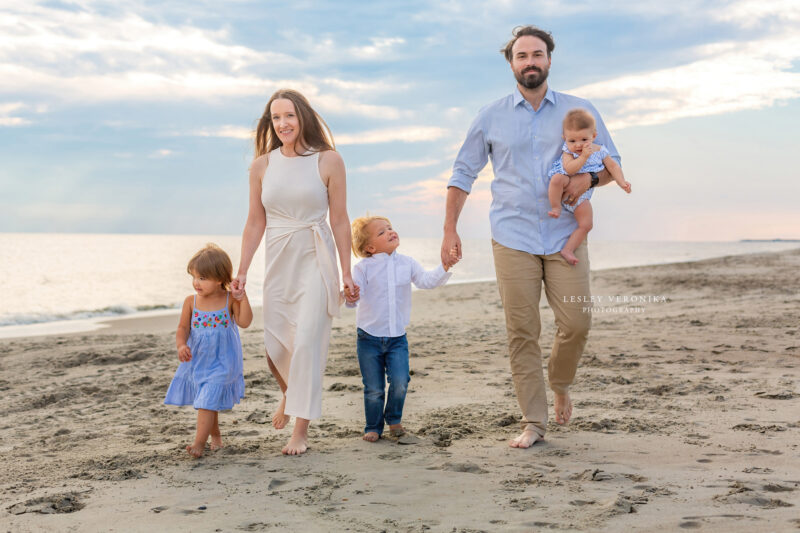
{"points": [[216, 442], [569, 256], [195, 451], [371, 436], [562, 405], [526, 439], [279, 419]]}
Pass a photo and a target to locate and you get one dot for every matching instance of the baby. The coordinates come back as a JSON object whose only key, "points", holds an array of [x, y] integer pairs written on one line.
{"points": [[580, 155], [384, 280]]}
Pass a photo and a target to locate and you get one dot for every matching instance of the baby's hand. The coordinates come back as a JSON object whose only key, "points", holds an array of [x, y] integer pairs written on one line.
{"points": [[453, 258], [625, 186], [352, 298], [588, 149], [184, 354]]}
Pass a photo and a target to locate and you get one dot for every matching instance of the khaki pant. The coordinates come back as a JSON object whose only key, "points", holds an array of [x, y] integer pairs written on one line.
{"points": [[519, 279]]}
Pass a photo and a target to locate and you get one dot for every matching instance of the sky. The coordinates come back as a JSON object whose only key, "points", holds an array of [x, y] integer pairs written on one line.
{"points": [[131, 116]]}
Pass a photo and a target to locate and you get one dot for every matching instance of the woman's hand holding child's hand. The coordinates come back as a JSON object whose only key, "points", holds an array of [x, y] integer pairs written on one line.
{"points": [[184, 354], [453, 258], [237, 286]]}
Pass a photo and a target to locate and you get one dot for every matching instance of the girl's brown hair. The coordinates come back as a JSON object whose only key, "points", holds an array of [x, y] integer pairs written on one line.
{"points": [[213, 263], [578, 119], [314, 135], [360, 228]]}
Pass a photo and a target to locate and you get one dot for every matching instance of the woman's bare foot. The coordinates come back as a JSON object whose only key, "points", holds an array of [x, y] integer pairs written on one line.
{"points": [[554, 213], [526, 439], [371, 436], [298, 444], [196, 451], [562, 405], [279, 419], [569, 256]]}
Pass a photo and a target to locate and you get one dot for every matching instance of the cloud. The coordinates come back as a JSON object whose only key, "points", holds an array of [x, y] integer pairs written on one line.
{"points": [[7, 109], [407, 134], [396, 165], [727, 77], [229, 131], [162, 153]]}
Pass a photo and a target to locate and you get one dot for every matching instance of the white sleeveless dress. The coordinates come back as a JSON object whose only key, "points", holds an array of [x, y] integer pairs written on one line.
{"points": [[301, 278]]}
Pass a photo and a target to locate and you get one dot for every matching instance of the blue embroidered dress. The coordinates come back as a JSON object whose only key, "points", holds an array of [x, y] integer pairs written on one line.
{"points": [[213, 379], [593, 164]]}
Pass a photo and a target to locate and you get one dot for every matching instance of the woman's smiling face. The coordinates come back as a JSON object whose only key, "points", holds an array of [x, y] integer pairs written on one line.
{"points": [[285, 121]]}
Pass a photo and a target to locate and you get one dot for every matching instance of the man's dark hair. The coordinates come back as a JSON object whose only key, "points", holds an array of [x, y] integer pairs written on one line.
{"points": [[533, 31]]}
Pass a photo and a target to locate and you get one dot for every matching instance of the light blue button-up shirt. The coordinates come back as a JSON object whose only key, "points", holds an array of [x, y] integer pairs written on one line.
{"points": [[522, 144]]}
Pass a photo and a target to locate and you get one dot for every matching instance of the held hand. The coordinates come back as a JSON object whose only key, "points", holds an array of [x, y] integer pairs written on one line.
{"points": [[578, 184], [351, 299], [451, 249], [184, 354], [237, 286], [350, 288]]}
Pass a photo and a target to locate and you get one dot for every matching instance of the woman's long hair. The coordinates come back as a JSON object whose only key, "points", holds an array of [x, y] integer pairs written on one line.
{"points": [[314, 135]]}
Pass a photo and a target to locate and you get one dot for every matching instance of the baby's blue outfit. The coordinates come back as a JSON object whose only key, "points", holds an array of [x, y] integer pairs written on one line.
{"points": [[593, 164], [214, 378]]}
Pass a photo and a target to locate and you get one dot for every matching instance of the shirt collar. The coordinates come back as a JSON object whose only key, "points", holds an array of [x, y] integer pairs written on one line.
{"points": [[517, 97]]}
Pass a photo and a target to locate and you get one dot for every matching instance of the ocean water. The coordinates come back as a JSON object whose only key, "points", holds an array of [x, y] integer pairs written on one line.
{"points": [[69, 278]]}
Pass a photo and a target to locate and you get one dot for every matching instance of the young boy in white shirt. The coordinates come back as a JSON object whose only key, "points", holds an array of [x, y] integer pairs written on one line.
{"points": [[384, 280]]}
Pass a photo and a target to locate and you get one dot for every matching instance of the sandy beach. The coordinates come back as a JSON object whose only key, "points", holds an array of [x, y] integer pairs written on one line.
{"points": [[687, 417]]}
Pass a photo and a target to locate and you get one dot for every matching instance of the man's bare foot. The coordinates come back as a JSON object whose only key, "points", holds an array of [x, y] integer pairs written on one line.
{"points": [[526, 439], [562, 405], [569, 256], [196, 451], [371, 436], [279, 419], [554, 213], [297, 445], [397, 430]]}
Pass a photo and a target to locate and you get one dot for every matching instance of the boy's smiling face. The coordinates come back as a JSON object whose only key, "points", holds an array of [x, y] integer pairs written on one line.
{"points": [[382, 238]]}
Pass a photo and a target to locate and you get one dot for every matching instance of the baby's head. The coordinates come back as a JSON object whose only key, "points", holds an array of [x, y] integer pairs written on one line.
{"points": [[373, 235], [209, 267], [579, 129]]}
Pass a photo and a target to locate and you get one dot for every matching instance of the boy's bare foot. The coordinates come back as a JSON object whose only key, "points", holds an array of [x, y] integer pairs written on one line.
{"points": [[569, 256], [371, 436], [554, 213], [562, 405], [297, 445], [279, 419], [195, 451], [526, 439]]}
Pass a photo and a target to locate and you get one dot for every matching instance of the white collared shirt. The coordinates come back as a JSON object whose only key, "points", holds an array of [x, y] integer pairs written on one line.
{"points": [[384, 307]]}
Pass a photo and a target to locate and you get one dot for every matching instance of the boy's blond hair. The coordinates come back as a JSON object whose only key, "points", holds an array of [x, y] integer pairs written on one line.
{"points": [[578, 119], [213, 263], [361, 234]]}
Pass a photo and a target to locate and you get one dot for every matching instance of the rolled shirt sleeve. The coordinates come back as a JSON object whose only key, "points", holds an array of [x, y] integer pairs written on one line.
{"points": [[471, 158]]}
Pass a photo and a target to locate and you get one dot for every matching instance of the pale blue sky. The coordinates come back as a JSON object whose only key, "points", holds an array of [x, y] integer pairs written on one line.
{"points": [[131, 116]]}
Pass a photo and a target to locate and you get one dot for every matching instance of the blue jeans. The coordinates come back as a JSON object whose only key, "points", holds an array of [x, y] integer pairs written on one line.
{"points": [[382, 359]]}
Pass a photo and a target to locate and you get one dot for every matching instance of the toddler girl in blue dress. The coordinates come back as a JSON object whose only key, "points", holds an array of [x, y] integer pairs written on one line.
{"points": [[210, 375], [580, 155]]}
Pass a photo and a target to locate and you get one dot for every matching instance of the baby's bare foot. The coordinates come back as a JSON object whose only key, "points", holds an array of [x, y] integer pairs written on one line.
{"points": [[563, 407], [279, 419], [569, 256], [554, 213], [371, 436], [195, 451], [526, 439], [297, 445]]}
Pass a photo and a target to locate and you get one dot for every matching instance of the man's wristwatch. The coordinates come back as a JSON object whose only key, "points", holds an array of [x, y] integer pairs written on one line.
{"points": [[595, 179]]}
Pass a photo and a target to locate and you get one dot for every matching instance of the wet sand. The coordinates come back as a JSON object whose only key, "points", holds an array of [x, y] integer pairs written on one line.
{"points": [[687, 416]]}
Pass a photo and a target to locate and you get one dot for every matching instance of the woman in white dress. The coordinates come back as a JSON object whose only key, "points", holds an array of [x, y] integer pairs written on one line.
{"points": [[295, 179]]}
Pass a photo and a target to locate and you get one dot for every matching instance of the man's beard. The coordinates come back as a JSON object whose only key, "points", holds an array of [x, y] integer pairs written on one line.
{"points": [[532, 81]]}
